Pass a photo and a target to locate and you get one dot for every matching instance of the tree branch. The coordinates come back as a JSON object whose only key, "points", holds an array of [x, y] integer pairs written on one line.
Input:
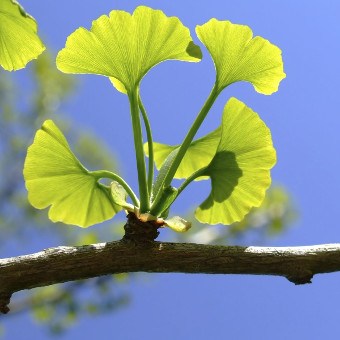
{"points": [[61, 264]]}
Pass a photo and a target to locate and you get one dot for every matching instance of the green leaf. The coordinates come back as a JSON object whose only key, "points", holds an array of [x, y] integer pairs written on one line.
{"points": [[54, 177], [159, 183], [19, 42], [199, 154], [168, 196], [125, 47], [119, 196], [240, 57], [240, 170], [178, 224]]}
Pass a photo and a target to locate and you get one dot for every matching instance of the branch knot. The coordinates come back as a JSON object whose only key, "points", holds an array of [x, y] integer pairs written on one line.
{"points": [[139, 232]]}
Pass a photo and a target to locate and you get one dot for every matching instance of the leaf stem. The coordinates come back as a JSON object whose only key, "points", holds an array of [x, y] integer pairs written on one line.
{"points": [[140, 159], [196, 174], [108, 174], [150, 143], [172, 168]]}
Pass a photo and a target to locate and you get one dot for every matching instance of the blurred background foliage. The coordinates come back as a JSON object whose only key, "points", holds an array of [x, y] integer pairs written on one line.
{"points": [[25, 229]]}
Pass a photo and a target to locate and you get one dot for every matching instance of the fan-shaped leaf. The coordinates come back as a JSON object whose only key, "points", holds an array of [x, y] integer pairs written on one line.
{"points": [[54, 177], [19, 42], [240, 170], [240, 57], [125, 47]]}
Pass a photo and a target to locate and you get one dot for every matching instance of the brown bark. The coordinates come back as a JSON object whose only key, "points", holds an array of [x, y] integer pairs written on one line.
{"points": [[61, 264], [138, 252]]}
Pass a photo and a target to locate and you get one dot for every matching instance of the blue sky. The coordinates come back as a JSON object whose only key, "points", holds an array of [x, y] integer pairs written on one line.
{"points": [[304, 119]]}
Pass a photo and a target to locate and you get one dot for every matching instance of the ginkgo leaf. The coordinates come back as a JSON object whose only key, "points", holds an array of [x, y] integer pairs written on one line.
{"points": [[55, 177], [119, 196], [19, 42], [240, 170], [199, 154], [178, 224], [168, 196], [240, 57], [125, 47]]}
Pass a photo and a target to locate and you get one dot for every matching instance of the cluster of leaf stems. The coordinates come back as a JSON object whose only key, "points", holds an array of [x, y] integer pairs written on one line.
{"points": [[154, 196]]}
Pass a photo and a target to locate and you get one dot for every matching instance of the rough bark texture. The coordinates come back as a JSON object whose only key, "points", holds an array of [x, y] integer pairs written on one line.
{"points": [[142, 254]]}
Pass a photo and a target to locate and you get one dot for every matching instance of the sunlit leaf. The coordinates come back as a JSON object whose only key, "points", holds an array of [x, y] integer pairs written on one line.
{"points": [[199, 154], [240, 57], [54, 177], [119, 196], [168, 196], [125, 47], [240, 170], [19, 42], [159, 183], [178, 224]]}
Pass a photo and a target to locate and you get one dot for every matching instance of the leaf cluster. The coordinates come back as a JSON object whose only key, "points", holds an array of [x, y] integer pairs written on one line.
{"points": [[60, 305], [237, 157]]}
